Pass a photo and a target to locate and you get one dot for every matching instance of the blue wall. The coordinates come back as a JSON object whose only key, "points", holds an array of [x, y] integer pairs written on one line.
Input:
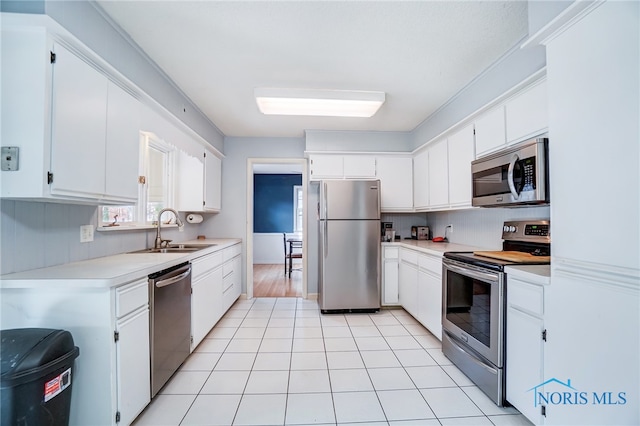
{"points": [[273, 202]]}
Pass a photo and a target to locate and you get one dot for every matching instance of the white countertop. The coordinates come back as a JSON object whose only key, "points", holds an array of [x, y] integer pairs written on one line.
{"points": [[109, 271], [429, 247], [537, 274]]}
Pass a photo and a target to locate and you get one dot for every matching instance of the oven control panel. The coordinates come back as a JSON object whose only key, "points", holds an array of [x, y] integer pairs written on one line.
{"points": [[527, 230]]}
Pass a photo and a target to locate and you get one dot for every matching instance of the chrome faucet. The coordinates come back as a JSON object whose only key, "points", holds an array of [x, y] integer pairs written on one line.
{"points": [[160, 243]]}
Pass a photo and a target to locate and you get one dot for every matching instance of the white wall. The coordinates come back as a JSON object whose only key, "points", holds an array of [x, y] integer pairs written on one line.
{"points": [[268, 249], [481, 227], [356, 141], [231, 222], [37, 235]]}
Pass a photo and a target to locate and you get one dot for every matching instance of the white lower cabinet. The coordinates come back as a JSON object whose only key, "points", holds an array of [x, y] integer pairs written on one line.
{"points": [[408, 281], [420, 287], [216, 284], [390, 278], [525, 344], [110, 326], [132, 349], [430, 293], [206, 297]]}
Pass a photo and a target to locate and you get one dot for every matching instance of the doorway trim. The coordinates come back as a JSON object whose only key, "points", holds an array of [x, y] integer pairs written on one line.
{"points": [[249, 228]]}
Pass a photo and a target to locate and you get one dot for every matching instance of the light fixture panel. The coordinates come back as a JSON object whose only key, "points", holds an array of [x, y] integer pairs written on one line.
{"points": [[325, 103]]}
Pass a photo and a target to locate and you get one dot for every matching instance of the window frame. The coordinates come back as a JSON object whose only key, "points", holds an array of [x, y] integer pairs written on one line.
{"points": [[148, 140]]}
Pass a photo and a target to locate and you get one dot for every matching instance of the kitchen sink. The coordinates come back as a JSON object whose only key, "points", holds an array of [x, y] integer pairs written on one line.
{"points": [[175, 248]]}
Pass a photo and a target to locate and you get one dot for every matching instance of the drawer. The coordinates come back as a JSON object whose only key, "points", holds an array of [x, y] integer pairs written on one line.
{"points": [[432, 264], [525, 297], [227, 269], [391, 252], [201, 265], [231, 252], [130, 297], [409, 256]]}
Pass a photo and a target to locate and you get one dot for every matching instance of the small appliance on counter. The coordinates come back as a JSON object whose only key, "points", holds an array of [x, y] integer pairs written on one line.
{"points": [[419, 232], [384, 227]]}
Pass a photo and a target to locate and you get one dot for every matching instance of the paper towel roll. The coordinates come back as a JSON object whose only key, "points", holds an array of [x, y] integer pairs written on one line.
{"points": [[194, 218]]}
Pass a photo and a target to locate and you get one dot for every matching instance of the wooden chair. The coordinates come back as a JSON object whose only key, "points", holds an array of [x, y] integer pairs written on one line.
{"points": [[289, 253]]}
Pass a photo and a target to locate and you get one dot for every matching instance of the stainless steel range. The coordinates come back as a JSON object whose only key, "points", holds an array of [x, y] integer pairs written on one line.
{"points": [[474, 302]]}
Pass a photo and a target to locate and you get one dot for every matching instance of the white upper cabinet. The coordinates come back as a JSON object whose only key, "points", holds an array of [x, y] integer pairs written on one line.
{"points": [[438, 171], [490, 131], [461, 154], [198, 182], [79, 125], [336, 166], [421, 180], [61, 113], [123, 140], [212, 182], [326, 166], [396, 182], [359, 166], [526, 114]]}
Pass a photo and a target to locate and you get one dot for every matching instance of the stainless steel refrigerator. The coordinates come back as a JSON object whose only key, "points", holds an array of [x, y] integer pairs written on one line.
{"points": [[349, 245]]}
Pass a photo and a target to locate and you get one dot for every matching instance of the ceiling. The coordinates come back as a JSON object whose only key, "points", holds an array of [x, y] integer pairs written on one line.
{"points": [[420, 53]]}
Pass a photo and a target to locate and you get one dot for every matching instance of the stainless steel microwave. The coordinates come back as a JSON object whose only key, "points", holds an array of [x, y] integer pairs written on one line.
{"points": [[515, 175]]}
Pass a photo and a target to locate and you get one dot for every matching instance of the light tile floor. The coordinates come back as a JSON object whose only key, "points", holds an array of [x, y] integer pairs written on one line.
{"points": [[278, 361]]}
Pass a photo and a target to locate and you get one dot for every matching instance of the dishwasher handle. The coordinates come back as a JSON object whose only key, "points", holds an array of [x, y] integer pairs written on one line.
{"points": [[173, 280]]}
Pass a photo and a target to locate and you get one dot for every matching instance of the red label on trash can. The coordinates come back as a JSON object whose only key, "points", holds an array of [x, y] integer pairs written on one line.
{"points": [[56, 385]]}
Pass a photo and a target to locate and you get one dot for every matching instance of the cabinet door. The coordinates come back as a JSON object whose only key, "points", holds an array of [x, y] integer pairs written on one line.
{"points": [[526, 114], [460, 157], [79, 118], [524, 361], [122, 149], [212, 182], [408, 288], [206, 304], [396, 182], [190, 183], [490, 131], [421, 180], [438, 174], [430, 302], [132, 358], [390, 282], [326, 166], [359, 166]]}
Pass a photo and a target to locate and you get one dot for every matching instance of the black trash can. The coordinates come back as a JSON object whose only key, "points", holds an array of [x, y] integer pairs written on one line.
{"points": [[36, 366]]}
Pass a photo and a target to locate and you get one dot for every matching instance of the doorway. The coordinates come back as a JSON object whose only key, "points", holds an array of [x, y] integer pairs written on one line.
{"points": [[265, 272]]}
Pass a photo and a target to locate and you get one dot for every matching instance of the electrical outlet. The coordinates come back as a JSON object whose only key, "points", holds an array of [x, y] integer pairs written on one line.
{"points": [[86, 233]]}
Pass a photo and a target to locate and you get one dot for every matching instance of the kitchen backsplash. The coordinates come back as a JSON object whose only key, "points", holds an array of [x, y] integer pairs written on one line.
{"points": [[481, 227], [37, 235], [402, 222]]}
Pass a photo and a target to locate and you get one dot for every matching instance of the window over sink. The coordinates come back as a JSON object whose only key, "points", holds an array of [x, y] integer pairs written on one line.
{"points": [[155, 187]]}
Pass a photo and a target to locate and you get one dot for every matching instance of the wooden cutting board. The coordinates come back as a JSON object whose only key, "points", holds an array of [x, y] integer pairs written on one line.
{"points": [[514, 256]]}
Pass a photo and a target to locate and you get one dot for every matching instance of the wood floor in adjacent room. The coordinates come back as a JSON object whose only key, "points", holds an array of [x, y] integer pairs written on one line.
{"points": [[270, 281]]}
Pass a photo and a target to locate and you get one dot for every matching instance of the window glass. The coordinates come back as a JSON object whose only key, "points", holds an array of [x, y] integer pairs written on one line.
{"points": [[156, 157]]}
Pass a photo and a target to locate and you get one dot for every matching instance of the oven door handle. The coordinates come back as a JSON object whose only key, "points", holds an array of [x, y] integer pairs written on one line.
{"points": [[472, 273], [512, 185]]}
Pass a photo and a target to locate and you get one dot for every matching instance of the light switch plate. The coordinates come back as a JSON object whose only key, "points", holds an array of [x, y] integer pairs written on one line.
{"points": [[10, 158]]}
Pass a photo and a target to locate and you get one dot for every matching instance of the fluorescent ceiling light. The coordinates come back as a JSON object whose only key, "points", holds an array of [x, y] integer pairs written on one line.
{"points": [[328, 103]]}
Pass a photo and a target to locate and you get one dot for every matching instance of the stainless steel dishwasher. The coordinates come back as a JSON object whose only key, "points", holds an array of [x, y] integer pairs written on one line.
{"points": [[170, 326]]}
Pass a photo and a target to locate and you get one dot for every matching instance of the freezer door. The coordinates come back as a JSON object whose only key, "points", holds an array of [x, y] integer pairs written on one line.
{"points": [[350, 264], [350, 199]]}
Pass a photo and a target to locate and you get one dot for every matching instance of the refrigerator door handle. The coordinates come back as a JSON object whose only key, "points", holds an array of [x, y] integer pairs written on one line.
{"points": [[324, 201], [325, 238]]}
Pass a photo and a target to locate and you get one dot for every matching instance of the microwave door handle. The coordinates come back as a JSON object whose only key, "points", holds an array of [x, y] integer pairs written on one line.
{"points": [[512, 186]]}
